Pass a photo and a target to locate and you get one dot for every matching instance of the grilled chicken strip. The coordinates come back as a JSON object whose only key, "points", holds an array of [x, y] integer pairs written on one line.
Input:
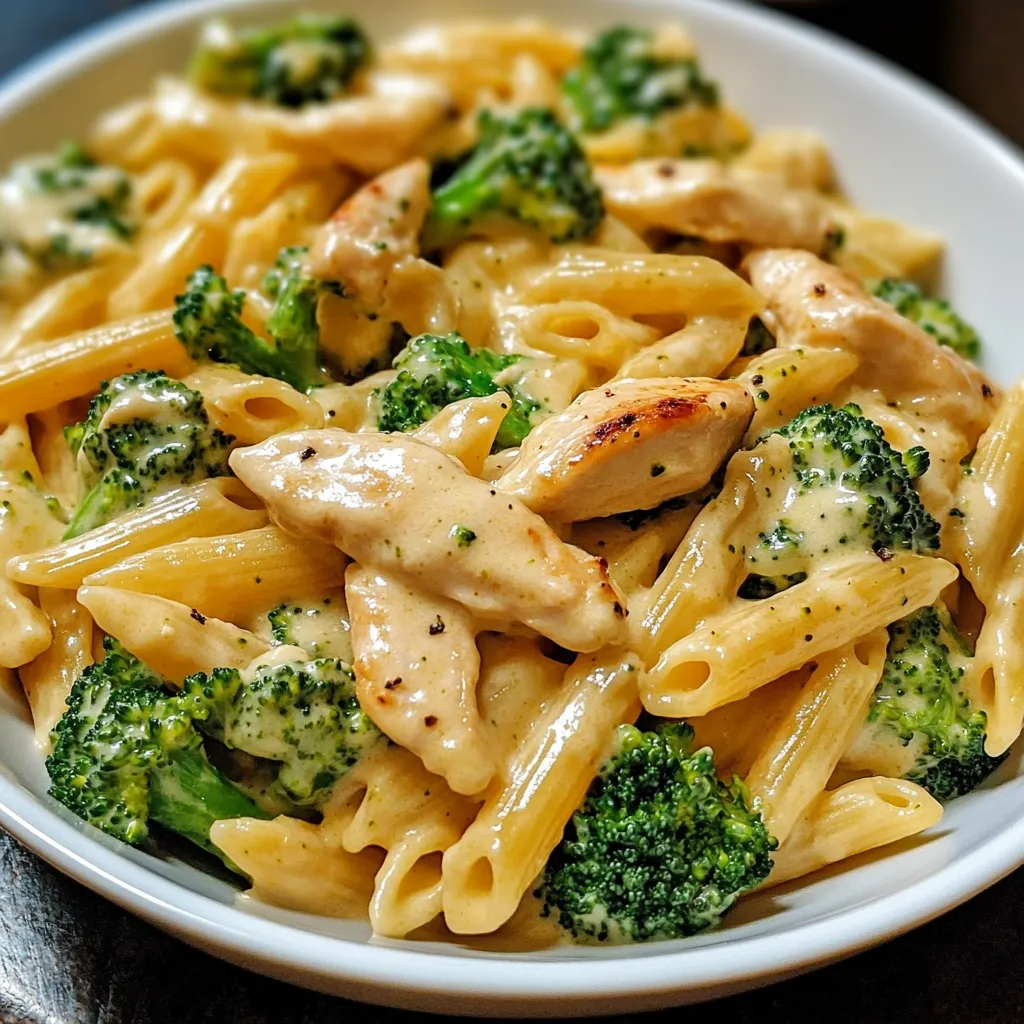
{"points": [[716, 203], [417, 668], [371, 231], [371, 247], [404, 508], [812, 304], [631, 444]]}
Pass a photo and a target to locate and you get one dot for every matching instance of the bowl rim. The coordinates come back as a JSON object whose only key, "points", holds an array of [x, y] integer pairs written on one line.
{"points": [[506, 979]]}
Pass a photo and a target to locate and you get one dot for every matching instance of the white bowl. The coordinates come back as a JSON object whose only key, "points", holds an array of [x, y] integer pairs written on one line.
{"points": [[902, 150]]}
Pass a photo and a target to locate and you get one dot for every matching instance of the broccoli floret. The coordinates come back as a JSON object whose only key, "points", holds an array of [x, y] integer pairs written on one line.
{"points": [[842, 448], [853, 485], [921, 703], [309, 59], [144, 434], [74, 210], [621, 75], [304, 715], [660, 847], [434, 371], [126, 753], [935, 316], [525, 167], [758, 338], [208, 322]]}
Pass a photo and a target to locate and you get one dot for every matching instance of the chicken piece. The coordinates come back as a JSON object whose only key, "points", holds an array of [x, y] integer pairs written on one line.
{"points": [[403, 507], [417, 669], [372, 231], [717, 203], [371, 246], [812, 304], [631, 444]]}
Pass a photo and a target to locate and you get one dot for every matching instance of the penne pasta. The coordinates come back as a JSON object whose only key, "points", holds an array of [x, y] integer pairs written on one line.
{"points": [[252, 408], [735, 652], [486, 873], [284, 855], [47, 375], [242, 573], [172, 638], [853, 819], [221, 506], [48, 678], [802, 751]]}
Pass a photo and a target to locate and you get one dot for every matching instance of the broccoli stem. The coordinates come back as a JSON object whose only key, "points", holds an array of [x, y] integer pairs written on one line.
{"points": [[92, 512], [190, 794]]}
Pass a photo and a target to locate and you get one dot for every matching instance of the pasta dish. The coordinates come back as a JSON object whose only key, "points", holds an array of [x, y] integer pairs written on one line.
{"points": [[475, 484]]}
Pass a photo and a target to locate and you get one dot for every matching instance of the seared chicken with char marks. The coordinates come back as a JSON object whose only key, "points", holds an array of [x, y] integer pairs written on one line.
{"points": [[403, 507], [630, 444]]}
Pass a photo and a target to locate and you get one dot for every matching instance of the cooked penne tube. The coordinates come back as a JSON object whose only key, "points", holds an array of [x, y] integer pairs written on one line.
{"points": [[49, 374], [56, 461], [703, 348], [703, 574], [487, 871], [47, 679], [855, 818], [242, 186], [292, 866], [466, 429], [26, 633], [736, 651], [252, 408], [232, 576], [802, 751], [986, 540], [171, 638], [390, 801], [737, 732], [652, 284], [219, 506], [784, 381]]}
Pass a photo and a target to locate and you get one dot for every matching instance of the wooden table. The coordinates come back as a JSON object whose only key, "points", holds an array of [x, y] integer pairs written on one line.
{"points": [[68, 957]]}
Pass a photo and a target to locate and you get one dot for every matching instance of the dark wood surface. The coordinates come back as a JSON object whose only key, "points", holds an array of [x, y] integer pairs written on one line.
{"points": [[69, 957]]}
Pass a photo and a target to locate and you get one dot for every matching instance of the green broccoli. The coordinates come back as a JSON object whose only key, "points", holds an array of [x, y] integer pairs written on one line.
{"points": [[82, 209], [854, 487], [935, 316], [434, 371], [526, 168], [126, 754], [208, 322], [145, 433], [621, 75], [659, 849], [920, 704], [320, 628], [309, 59], [304, 715]]}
